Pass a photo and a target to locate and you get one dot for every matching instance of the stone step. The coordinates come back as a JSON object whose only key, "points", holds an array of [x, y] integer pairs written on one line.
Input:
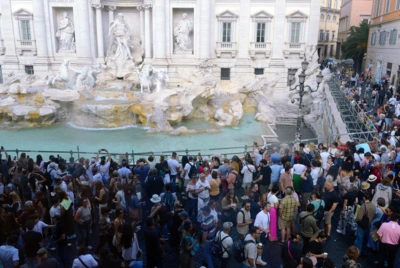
{"points": [[286, 121]]}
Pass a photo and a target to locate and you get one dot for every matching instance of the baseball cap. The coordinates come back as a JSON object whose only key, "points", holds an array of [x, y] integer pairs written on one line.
{"points": [[184, 214], [190, 158], [227, 225], [206, 208]]}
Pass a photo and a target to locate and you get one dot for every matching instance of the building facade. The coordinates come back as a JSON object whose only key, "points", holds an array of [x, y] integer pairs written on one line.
{"points": [[352, 13], [328, 28], [382, 56], [239, 37]]}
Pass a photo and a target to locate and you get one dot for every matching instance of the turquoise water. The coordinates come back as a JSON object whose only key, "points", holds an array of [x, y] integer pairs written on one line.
{"points": [[64, 137]]}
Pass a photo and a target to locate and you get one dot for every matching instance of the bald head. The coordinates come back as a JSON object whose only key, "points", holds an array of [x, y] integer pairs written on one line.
{"points": [[329, 186]]}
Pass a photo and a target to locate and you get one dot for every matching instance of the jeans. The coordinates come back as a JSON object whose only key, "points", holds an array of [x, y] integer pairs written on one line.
{"points": [[207, 254], [84, 233], [173, 182], [224, 262], [154, 261], [192, 207], [387, 250], [103, 240], [361, 239], [63, 257]]}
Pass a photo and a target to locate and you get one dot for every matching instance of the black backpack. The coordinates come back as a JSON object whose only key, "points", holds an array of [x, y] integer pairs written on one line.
{"points": [[47, 176], [217, 249], [238, 250], [193, 170], [320, 213], [239, 180]]}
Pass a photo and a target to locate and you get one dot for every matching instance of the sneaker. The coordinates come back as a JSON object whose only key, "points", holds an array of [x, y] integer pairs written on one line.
{"points": [[52, 248], [339, 231], [72, 236], [245, 197], [259, 261], [69, 244], [90, 247]]}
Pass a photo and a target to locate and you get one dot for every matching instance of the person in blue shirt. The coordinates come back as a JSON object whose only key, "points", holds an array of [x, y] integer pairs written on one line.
{"points": [[306, 187], [9, 254]]}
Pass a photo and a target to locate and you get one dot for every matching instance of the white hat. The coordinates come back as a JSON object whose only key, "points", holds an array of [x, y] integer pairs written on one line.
{"points": [[307, 150], [372, 178], [155, 199]]}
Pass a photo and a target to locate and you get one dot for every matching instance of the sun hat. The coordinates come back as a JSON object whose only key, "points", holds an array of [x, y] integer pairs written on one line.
{"points": [[155, 198], [227, 225], [372, 178], [365, 185]]}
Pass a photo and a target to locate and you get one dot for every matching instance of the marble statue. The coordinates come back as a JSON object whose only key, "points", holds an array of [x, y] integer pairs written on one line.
{"points": [[61, 76], [65, 33], [146, 77], [162, 80], [182, 31], [120, 47], [86, 76]]}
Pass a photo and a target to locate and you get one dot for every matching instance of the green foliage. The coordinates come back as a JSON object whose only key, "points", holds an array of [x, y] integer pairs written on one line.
{"points": [[356, 44]]}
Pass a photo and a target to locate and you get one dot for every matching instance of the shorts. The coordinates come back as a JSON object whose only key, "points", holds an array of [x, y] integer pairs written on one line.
{"points": [[264, 188], [246, 184], [304, 198], [282, 224], [328, 217]]}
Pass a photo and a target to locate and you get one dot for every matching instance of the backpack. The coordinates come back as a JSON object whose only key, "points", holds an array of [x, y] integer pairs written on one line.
{"points": [[192, 171], [320, 213], [239, 180], [217, 249], [104, 179], [364, 222], [301, 220], [168, 200], [238, 250], [47, 176]]}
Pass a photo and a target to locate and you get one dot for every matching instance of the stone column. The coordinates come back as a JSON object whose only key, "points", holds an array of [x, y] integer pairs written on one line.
{"points": [[99, 30], [205, 29], [278, 41], [244, 26], [42, 60], [82, 29], [160, 33], [147, 31], [313, 19], [10, 62], [141, 25], [111, 13]]}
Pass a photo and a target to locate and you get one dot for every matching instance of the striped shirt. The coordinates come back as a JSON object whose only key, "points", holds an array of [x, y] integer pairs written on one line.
{"points": [[208, 226]]}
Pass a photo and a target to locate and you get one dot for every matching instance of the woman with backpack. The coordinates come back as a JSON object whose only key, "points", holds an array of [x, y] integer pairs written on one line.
{"points": [[347, 218]]}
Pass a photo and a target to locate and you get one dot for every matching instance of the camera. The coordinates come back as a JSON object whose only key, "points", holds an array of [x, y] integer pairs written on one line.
{"points": [[255, 143]]}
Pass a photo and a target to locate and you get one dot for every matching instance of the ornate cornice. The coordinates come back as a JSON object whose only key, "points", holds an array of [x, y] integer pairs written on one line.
{"points": [[97, 6]]}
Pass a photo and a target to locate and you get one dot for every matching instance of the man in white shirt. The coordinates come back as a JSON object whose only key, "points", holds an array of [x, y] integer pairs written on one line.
{"points": [[262, 222], [315, 171], [173, 165], [204, 188], [324, 156], [96, 176], [247, 172], [85, 259], [226, 242], [186, 170], [332, 150], [61, 184]]}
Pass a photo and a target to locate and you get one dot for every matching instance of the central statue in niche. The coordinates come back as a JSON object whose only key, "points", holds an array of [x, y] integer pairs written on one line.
{"points": [[182, 32], [120, 32]]}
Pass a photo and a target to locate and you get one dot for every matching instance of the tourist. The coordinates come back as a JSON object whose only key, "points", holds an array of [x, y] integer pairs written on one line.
{"points": [[250, 248], [275, 172], [350, 258], [60, 238], [291, 251], [120, 200], [331, 200], [192, 191], [230, 203], [225, 170], [84, 219], [9, 254], [273, 200], [134, 207], [285, 179], [103, 165], [254, 206], [32, 242], [226, 242], [105, 232], [364, 218], [347, 218], [126, 242], [231, 178], [307, 187], [373, 238], [208, 229], [45, 261], [298, 169], [286, 211], [324, 156], [315, 247], [124, 169], [262, 222], [308, 227], [389, 236], [118, 223], [383, 190], [247, 171], [84, 260], [100, 197], [265, 176], [190, 246], [174, 166], [243, 219], [214, 182], [203, 193]]}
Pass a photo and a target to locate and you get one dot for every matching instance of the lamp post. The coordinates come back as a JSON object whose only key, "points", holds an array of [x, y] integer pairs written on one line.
{"points": [[301, 88]]}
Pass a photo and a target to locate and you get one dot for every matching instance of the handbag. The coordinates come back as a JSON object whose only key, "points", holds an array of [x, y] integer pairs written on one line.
{"points": [[364, 222], [374, 235]]}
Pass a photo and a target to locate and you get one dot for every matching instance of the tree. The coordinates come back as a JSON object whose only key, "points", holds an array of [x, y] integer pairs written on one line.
{"points": [[356, 44]]}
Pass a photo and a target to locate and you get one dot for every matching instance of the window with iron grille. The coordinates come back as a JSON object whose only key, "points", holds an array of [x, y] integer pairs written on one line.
{"points": [[29, 69], [259, 71], [225, 74]]}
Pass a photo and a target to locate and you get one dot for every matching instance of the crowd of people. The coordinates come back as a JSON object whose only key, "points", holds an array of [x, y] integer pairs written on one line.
{"points": [[224, 210]]}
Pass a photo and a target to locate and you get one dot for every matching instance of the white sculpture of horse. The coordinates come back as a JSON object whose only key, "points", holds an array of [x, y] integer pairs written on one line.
{"points": [[162, 80], [63, 74], [146, 77]]}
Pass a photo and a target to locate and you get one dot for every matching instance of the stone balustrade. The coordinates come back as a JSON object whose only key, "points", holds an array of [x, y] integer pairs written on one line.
{"points": [[258, 47], [226, 47], [26, 45]]}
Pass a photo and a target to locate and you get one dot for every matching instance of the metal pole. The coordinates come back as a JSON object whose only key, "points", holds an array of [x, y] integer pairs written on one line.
{"points": [[77, 148]]}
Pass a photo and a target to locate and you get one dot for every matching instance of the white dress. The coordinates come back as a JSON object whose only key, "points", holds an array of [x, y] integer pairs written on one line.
{"points": [[131, 253]]}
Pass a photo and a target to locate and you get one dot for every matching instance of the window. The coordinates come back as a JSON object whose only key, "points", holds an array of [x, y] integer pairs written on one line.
{"points": [[260, 32], [295, 32], [398, 4], [259, 71], [378, 3], [373, 38], [382, 38], [26, 30], [393, 37], [226, 32], [29, 69], [322, 16], [225, 74], [327, 36], [328, 17], [336, 4], [333, 35], [329, 3], [387, 6], [334, 18], [321, 35], [389, 69]]}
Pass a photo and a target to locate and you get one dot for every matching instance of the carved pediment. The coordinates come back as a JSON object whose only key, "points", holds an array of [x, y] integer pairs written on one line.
{"points": [[297, 15], [227, 15], [23, 14], [262, 15]]}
